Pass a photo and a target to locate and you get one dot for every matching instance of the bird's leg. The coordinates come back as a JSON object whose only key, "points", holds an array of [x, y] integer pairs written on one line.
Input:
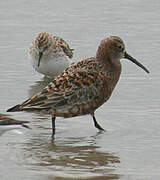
{"points": [[53, 125], [96, 123]]}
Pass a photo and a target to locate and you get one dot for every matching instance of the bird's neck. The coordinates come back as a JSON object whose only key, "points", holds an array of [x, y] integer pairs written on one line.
{"points": [[111, 66], [109, 63]]}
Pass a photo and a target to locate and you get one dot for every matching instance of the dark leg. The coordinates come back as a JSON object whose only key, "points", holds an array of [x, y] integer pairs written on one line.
{"points": [[53, 126], [96, 123]]}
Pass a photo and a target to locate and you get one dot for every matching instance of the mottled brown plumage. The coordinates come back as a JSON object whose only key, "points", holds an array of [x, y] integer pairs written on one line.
{"points": [[82, 87]]}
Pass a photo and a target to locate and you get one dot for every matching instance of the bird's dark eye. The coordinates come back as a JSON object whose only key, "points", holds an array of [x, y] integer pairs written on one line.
{"points": [[120, 47]]}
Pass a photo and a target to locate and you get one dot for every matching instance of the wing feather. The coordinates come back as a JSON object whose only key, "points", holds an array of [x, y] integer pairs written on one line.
{"points": [[65, 91]]}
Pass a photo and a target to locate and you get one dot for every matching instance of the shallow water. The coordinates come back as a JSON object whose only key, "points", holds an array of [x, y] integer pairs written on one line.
{"points": [[130, 147]]}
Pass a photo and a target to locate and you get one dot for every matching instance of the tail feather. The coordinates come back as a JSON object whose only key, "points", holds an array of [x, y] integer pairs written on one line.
{"points": [[30, 109], [15, 108]]}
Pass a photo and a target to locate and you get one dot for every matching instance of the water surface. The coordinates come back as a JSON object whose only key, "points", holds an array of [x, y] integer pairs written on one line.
{"points": [[130, 147]]}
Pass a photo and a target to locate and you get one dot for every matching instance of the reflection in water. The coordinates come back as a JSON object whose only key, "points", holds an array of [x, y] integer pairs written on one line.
{"points": [[4, 130], [38, 86], [76, 156], [7, 120], [108, 177]]}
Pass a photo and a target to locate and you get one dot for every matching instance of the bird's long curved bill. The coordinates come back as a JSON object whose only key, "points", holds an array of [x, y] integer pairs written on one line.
{"points": [[40, 56], [127, 56]]}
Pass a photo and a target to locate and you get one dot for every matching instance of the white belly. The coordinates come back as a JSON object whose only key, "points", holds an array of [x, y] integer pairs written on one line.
{"points": [[51, 67]]}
